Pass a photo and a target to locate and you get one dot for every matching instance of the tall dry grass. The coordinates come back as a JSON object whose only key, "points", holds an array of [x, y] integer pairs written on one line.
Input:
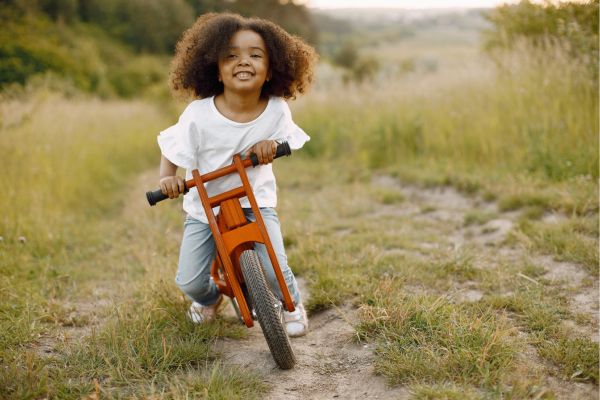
{"points": [[532, 112], [71, 170], [64, 159]]}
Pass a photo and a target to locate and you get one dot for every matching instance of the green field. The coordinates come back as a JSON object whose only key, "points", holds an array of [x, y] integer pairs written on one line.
{"points": [[88, 306]]}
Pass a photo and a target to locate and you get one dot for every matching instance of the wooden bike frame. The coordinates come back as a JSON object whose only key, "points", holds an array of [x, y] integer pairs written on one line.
{"points": [[233, 234]]}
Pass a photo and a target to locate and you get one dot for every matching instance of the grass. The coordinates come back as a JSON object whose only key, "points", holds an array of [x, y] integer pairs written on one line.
{"points": [[398, 264], [513, 191], [541, 310], [575, 240], [89, 242], [521, 136], [217, 383], [578, 357], [428, 339], [477, 217], [145, 340], [65, 164], [525, 126], [444, 392], [387, 196], [60, 180], [148, 341]]}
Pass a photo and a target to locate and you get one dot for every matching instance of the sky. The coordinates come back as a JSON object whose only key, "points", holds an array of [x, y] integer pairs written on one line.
{"points": [[413, 4]]}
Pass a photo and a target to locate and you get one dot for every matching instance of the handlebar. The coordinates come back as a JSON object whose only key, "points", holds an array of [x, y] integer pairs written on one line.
{"points": [[283, 149]]}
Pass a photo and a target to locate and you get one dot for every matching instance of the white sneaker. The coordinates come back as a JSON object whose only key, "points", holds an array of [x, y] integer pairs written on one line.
{"points": [[296, 322], [200, 314]]}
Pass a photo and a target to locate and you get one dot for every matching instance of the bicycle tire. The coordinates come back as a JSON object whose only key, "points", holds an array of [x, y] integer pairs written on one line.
{"points": [[269, 310]]}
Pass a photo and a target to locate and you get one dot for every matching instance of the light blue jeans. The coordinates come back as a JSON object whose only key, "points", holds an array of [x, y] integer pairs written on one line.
{"points": [[198, 251]]}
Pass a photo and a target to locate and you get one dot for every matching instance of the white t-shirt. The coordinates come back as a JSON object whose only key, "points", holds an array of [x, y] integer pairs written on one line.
{"points": [[206, 140]]}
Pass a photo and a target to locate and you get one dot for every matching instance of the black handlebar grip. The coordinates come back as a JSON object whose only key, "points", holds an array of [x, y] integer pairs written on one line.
{"points": [[283, 149], [155, 197]]}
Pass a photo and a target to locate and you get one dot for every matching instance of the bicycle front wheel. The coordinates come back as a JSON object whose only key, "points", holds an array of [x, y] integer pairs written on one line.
{"points": [[269, 310]]}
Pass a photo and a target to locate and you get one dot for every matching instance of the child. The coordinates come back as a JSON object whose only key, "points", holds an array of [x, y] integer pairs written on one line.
{"points": [[240, 71]]}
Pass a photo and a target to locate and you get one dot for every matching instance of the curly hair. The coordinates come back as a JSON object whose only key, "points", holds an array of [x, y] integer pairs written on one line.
{"points": [[194, 69]]}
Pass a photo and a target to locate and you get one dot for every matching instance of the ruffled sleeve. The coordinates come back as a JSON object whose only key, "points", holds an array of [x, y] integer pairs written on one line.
{"points": [[180, 143], [291, 132]]}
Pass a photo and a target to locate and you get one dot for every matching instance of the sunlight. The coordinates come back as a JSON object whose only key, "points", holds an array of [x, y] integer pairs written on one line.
{"points": [[407, 4]]}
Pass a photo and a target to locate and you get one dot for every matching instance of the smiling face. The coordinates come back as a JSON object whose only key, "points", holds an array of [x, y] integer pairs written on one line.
{"points": [[244, 66]]}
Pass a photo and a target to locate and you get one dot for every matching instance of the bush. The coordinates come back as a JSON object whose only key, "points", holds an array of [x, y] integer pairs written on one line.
{"points": [[573, 24], [31, 46], [140, 73], [80, 55], [358, 68]]}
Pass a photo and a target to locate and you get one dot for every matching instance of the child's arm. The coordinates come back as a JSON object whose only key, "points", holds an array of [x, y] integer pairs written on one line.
{"points": [[170, 184]]}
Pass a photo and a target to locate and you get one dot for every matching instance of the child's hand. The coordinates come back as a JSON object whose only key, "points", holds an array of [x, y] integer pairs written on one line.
{"points": [[265, 151], [172, 186]]}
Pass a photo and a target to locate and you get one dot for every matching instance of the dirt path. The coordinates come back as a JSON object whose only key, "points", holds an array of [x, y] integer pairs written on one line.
{"points": [[333, 365], [488, 242], [330, 364]]}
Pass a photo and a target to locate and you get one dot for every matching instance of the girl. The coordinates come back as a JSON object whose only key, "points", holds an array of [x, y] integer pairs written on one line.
{"points": [[240, 71]]}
